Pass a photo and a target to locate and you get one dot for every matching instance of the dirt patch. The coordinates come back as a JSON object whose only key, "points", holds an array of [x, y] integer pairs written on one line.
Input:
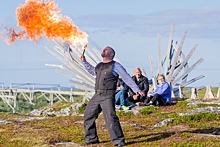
{"points": [[169, 109]]}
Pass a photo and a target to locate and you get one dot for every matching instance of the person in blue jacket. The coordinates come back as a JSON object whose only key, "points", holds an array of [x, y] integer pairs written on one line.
{"points": [[161, 95]]}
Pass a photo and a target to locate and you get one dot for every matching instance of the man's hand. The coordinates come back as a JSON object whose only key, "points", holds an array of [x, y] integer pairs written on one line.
{"points": [[83, 58], [135, 97], [141, 93]]}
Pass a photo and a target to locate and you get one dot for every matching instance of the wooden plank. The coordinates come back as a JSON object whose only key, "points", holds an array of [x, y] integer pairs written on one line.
{"points": [[189, 70], [73, 66], [197, 88], [97, 53], [159, 54], [56, 55], [192, 80], [151, 65], [167, 58], [144, 72], [218, 93], [55, 65], [179, 49], [78, 83], [77, 78], [94, 57], [208, 93], [183, 63]]}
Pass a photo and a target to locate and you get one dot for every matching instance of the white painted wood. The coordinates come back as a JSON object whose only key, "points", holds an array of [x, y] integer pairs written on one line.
{"points": [[181, 91], [179, 49], [167, 58], [194, 94], [208, 93], [197, 88], [183, 63], [154, 80], [218, 93], [189, 70], [144, 73], [192, 80], [76, 77], [151, 65], [159, 54], [174, 60]]}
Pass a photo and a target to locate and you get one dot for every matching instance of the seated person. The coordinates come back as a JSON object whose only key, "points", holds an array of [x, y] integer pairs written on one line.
{"points": [[120, 95], [161, 95], [142, 83]]}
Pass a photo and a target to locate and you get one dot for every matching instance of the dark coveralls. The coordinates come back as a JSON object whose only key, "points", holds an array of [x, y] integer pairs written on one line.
{"points": [[103, 100]]}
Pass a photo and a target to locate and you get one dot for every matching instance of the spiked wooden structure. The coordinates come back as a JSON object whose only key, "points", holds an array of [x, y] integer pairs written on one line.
{"points": [[174, 65], [70, 57]]}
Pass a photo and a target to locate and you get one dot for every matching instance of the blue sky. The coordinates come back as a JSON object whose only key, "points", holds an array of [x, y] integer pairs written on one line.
{"points": [[130, 27]]}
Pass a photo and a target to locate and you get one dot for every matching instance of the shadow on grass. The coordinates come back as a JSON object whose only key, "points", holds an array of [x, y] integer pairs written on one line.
{"points": [[211, 131], [164, 135], [156, 136]]}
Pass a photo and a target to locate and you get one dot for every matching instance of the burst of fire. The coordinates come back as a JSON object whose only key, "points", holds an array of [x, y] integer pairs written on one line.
{"points": [[40, 18]]}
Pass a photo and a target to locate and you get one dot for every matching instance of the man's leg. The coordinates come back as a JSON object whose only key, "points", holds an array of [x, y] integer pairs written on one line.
{"points": [[158, 98], [112, 121], [122, 98], [117, 98], [90, 115]]}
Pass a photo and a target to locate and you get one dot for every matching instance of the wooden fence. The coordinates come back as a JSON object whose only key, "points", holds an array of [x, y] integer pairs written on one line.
{"points": [[10, 95]]}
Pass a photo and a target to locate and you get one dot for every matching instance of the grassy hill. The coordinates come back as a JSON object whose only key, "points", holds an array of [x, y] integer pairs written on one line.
{"points": [[138, 129]]}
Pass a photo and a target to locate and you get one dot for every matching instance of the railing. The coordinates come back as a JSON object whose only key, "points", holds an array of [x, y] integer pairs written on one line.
{"points": [[28, 91]]}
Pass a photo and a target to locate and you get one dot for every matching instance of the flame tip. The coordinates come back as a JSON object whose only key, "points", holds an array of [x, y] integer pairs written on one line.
{"points": [[42, 18]]}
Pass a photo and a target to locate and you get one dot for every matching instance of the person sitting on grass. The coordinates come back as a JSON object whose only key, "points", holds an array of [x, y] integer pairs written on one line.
{"points": [[161, 95], [142, 83], [120, 95]]}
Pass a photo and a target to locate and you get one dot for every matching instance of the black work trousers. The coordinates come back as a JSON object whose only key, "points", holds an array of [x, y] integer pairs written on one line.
{"points": [[104, 102], [157, 98]]}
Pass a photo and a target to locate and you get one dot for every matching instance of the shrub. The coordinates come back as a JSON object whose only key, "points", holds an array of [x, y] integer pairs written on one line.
{"points": [[200, 117], [148, 110]]}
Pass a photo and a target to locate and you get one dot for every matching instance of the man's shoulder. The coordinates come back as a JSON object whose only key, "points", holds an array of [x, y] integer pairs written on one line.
{"points": [[118, 65], [116, 62], [144, 77], [100, 63]]}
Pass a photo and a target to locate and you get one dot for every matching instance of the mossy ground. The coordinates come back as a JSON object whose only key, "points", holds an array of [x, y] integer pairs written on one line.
{"points": [[183, 131]]}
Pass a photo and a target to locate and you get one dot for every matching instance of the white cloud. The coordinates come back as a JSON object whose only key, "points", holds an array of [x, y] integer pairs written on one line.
{"points": [[201, 23]]}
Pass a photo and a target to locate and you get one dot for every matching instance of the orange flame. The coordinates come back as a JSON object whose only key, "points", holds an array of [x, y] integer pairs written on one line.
{"points": [[40, 18]]}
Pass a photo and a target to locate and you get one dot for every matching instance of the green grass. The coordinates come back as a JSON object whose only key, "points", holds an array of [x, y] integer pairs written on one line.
{"points": [[184, 131], [52, 130], [201, 92]]}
